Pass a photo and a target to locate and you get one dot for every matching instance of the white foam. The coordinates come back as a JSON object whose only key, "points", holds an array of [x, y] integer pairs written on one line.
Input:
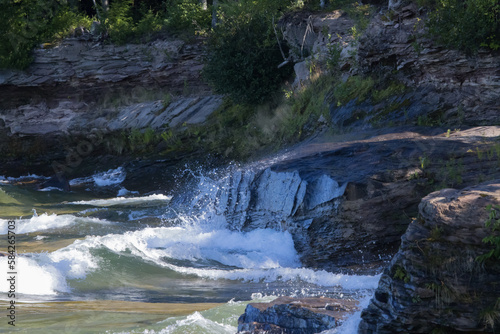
{"points": [[102, 179], [46, 222], [47, 273], [256, 249], [81, 180], [123, 192], [123, 200], [7, 180], [33, 278], [27, 177], [74, 261], [350, 325], [195, 323], [50, 189], [111, 177]]}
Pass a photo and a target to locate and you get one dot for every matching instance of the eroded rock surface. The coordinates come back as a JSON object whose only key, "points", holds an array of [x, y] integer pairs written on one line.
{"points": [[441, 85], [347, 203], [387, 175], [435, 283], [80, 85], [76, 67]]}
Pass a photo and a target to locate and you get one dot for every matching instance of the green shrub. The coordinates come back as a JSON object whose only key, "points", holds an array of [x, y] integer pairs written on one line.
{"points": [[25, 24], [119, 22], [243, 55], [355, 87], [493, 223], [466, 24], [333, 52], [188, 16], [394, 88]]}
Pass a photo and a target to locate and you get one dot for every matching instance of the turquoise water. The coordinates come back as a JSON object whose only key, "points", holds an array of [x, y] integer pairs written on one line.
{"points": [[102, 259]]}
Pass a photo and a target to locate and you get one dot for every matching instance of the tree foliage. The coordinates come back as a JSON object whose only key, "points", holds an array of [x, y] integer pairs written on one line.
{"points": [[244, 53], [26, 23], [466, 24]]}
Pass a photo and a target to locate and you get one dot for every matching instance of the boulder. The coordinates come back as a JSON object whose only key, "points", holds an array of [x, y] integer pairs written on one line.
{"points": [[57, 181], [435, 283], [286, 315]]}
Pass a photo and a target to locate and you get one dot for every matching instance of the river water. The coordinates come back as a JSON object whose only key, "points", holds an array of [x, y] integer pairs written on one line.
{"points": [[103, 259]]}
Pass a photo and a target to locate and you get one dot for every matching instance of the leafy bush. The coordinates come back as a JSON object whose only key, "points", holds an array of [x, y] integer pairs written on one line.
{"points": [[466, 24], [493, 223], [25, 24], [188, 16], [119, 22], [243, 54], [127, 22], [394, 88], [354, 87]]}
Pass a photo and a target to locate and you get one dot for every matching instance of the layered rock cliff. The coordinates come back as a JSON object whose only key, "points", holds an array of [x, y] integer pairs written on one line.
{"points": [[80, 85], [80, 90], [442, 86], [435, 281], [348, 203]]}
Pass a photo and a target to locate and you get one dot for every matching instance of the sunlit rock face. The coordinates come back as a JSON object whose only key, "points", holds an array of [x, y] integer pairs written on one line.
{"points": [[435, 282], [252, 199]]}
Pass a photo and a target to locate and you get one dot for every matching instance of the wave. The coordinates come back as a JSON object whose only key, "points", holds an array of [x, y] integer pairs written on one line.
{"points": [[256, 256], [34, 278], [110, 177], [46, 222], [196, 323], [217, 320], [23, 178], [124, 200], [50, 189]]}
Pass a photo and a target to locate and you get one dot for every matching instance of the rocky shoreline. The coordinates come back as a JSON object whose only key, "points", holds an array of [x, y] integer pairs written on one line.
{"points": [[385, 156], [436, 281]]}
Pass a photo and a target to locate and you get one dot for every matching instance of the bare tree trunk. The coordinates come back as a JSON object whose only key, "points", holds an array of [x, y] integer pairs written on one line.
{"points": [[204, 4], [214, 13], [105, 5]]}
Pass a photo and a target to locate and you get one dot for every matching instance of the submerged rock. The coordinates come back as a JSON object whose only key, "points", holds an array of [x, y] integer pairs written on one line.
{"points": [[57, 181], [294, 315], [435, 283]]}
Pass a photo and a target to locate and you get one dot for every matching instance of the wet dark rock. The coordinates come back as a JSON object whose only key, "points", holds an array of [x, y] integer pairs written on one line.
{"points": [[435, 282], [286, 315], [347, 202], [57, 181], [385, 177]]}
